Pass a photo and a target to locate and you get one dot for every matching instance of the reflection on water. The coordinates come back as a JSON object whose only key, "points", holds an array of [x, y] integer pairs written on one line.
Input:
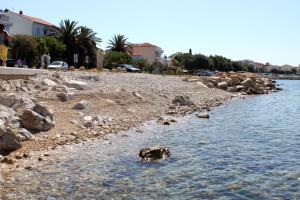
{"points": [[248, 149]]}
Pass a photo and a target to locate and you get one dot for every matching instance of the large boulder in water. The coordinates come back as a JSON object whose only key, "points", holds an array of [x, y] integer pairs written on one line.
{"points": [[154, 153]]}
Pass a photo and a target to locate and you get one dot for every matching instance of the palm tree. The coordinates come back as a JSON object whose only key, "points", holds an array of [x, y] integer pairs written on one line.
{"points": [[87, 44], [78, 40], [119, 43], [88, 35], [67, 33]]}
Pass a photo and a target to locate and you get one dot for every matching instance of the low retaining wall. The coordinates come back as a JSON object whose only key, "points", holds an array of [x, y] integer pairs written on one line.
{"points": [[8, 73]]}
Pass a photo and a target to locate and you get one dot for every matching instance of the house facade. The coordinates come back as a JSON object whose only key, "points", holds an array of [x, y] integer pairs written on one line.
{"points": [[146, 51], [18, 23], [4, 19]]}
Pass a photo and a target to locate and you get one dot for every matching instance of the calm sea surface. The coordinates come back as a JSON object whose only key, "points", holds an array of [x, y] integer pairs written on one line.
{"points": [[248, 149]]}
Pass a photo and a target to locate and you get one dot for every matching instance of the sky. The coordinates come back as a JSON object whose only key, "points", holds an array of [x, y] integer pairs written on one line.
{"points": [[260, 30]]}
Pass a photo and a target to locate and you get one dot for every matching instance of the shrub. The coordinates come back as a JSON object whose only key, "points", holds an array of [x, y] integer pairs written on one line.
{"points": [[113, 59], [31, 48], [142, 64]]}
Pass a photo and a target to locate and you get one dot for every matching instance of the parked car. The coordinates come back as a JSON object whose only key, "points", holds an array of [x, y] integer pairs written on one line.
{"points": [[58, 65], [130, 68], [204, 73]]}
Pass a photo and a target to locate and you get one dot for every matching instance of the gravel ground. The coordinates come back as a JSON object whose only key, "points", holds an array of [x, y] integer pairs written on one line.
{"points": [[122, 100]]}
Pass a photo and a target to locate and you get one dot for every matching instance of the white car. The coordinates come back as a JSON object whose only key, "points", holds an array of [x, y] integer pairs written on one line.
{"points": [[58, 65]]}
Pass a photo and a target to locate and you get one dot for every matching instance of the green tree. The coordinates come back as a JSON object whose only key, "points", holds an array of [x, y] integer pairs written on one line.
{"points": [[221, 63], [119, 43], [180, 57], [56, 48], [114, 58], [196, 62], [190, 62], [42, 47]]}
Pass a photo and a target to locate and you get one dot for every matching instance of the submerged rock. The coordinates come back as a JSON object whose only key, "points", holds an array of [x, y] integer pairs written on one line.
{"points": [[154, 153], [203, 115], [165, 120]]}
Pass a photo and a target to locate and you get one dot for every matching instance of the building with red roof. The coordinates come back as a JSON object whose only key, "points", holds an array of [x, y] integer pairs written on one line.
{"points": [[19, 23], [146, 51]]}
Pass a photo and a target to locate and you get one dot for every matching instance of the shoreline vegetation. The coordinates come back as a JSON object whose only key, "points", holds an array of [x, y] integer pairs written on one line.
{"points": [[55, 109]]}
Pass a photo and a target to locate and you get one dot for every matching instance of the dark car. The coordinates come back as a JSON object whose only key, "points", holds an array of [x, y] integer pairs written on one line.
{"points": [[130, 68], [9, 62], [204, 73]]}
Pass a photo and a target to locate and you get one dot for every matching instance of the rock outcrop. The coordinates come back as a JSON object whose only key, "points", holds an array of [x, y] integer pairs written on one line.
{"points": [[66, 96], [247, 83], [9, 139], [43, 110], [78, 85], [223, 85], [34, 121], [182, 101], [25, 135], [18, 115], [82, 105], [15, 102], [50, 83]]}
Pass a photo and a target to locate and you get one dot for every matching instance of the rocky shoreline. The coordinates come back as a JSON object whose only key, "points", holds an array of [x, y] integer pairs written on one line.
{"points": [[285, 77], [61, 108]]}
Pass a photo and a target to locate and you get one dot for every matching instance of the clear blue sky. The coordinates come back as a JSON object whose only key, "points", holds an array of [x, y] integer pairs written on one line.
{"points": [[261, 30]]}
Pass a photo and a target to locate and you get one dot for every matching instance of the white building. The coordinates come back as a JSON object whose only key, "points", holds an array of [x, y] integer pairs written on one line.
{"points": [[18, 23]]}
